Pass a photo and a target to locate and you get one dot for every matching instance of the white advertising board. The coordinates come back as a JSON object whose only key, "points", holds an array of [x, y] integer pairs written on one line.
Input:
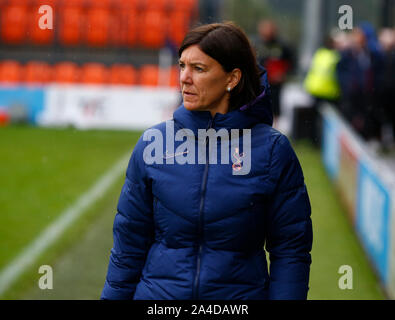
{"points": [[107, 107]]}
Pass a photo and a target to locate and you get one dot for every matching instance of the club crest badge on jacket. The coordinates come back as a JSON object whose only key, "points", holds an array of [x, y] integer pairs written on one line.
{"points": [[237, 164]]}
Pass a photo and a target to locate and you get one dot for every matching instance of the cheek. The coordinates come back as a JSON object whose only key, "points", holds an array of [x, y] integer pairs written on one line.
{"points": [[210, 88]]}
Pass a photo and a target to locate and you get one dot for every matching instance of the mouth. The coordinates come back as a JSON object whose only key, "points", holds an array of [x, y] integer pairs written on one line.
{"points": [[187, 93]]}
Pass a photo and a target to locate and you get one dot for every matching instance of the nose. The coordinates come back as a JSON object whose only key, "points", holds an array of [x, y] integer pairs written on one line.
{"points": [[185, 76]]}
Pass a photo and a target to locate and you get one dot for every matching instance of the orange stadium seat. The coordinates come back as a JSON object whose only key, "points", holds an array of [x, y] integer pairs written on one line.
{"points": [[18, 2], [94, 73], [70, 27], [122, 74], [52, 3], [73, 3], [149, 75], [14, 24], [187, 5], [66, 72], [10, 71], [127, 4], [99, 3], [130, 27], [37, 72], [38, 35], [178, 25], [154, 4], [153, 24], [124, 23], [118, 28], [98, 27]]}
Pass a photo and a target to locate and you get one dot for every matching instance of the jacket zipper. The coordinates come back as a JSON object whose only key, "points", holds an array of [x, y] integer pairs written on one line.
{"points": [[203, 192]]}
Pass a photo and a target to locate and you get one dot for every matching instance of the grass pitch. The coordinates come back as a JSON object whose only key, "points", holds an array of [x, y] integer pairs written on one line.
{"points": [[43, 171], [334, 241]]}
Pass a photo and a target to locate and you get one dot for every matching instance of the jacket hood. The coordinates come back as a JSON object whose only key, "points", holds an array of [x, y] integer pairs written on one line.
{"points": [[247, 116]]}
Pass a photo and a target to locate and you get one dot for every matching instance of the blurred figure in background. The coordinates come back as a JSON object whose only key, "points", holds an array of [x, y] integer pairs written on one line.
{"points": [[341, 40], [276, 57], [321, 81], [360, 76], [210, 10], [387, 89]]}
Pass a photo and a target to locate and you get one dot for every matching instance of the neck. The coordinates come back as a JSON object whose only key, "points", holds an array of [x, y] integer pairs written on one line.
{"points": [[222, 107]]}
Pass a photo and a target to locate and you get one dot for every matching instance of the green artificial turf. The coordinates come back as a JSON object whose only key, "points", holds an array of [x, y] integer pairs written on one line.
{"points": [[334, 241], [80, 266], [43, 171]]}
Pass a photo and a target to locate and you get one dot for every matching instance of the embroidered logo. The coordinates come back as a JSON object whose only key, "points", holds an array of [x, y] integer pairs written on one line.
{"points": [[237, 166], [226, 143], [168, 156]]}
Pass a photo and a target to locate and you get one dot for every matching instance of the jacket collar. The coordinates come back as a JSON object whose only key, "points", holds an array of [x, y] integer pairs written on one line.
{"points": [[257, 111]]}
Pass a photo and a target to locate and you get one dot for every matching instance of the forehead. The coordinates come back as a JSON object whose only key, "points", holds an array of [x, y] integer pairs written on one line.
{"points": [[194, 54]]}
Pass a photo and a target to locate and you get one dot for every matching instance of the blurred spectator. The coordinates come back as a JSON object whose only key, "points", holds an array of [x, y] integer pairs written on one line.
{"points": [[341, 40], [321, 81], [210, 10], [276, 57], [360, 76], [387, 89]]}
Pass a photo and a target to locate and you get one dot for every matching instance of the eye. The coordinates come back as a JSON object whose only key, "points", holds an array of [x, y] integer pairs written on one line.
{"points": [[199, 69], [181, 65]]}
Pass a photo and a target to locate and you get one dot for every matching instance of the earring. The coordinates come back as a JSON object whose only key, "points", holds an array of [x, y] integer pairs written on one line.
{"points": [[228, 89]]}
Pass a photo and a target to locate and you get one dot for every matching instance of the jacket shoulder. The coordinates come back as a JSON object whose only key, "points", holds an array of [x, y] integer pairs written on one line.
{"points": [[267, 132], [283, 161], [147, 135]]}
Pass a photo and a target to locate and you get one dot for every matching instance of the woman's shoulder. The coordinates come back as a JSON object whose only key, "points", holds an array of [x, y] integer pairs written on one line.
{"points": [[277, 144], [161, 126], [272, 136], [148, 133]]}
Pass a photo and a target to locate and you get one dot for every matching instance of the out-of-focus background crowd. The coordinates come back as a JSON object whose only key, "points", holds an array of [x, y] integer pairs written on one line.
{"points": [[359, 79]]}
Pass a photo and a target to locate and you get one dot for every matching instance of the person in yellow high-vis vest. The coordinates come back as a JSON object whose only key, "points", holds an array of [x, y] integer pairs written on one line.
{"points": [[321, 82]]}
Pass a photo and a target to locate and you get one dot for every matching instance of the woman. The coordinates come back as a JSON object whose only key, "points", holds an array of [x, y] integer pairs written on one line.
{"points": [[197, 229]]}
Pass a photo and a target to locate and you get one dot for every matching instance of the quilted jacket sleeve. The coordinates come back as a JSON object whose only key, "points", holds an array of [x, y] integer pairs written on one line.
{"points": [[133, 231], [289, 228]]}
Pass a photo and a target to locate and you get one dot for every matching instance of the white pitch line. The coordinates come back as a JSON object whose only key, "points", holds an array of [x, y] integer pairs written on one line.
{"points": [[28, 256]]}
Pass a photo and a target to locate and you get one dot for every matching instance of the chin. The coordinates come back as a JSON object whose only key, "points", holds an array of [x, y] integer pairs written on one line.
{"points": [[191, 106]]}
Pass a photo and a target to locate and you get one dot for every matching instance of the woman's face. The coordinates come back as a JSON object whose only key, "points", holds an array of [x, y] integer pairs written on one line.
{"points": [[204, 82]]}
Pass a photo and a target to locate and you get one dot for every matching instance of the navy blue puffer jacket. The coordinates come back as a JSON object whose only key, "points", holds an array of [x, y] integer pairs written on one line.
{"points": [[197, 231]]}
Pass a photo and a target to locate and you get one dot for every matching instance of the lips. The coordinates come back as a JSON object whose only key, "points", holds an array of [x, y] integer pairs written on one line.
{"points": [[189, 93]]}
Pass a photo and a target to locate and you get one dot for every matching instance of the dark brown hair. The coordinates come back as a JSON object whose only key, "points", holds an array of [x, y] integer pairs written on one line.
{"points": [[228, 44]]}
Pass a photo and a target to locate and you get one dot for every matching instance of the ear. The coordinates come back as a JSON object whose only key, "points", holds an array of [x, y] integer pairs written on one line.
{"points": [[234, 78]]}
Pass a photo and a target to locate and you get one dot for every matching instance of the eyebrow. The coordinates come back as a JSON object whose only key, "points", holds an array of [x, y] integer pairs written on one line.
{"points": [[193, 63]]}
